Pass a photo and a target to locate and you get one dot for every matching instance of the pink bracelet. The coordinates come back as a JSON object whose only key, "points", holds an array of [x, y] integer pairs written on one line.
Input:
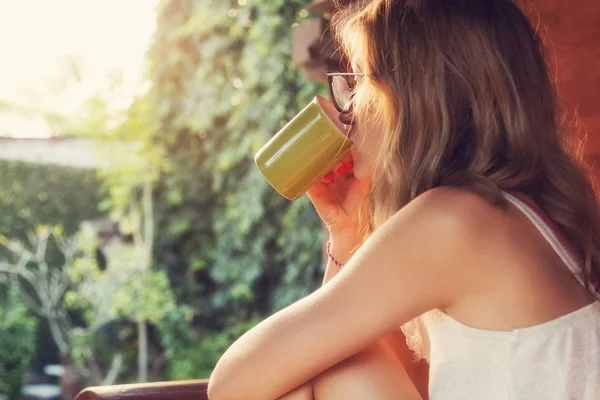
{"points": [[331, 257]]}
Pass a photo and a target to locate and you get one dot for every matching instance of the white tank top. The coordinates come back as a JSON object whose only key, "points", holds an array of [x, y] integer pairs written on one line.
{"points": [[558, 359]]}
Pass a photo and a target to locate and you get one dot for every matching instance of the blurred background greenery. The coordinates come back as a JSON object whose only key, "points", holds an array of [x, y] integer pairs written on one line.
{"points": [[149, 266]]}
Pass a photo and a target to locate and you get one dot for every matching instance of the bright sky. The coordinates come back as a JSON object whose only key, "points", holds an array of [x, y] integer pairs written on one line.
{"points": [[37, 37]]}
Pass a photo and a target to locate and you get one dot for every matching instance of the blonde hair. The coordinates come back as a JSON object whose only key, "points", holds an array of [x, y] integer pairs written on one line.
{"points": [[465, 97]]}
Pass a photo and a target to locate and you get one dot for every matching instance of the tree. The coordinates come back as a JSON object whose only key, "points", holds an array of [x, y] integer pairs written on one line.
{"points": [[127, 287], [48, 286], [222, 83]]}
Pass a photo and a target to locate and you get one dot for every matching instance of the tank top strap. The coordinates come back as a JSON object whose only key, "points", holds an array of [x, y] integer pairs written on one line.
{"points": [[549, 232]]}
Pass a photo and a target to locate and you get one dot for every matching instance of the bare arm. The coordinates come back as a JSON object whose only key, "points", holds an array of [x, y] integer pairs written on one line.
{"points": [[412, 264], [344, 244]]}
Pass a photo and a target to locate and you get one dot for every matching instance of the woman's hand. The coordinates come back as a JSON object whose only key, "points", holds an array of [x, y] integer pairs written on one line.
{"points": [[340, 199], [341, 202]]}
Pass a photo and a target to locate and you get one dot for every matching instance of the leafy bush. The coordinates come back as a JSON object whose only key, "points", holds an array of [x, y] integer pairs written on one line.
{"points": [[32, 195], [223, 84], [17, 344]]}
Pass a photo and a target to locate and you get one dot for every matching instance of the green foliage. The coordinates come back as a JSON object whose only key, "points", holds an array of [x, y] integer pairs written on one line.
{"points": [[226, 85], [124, 289], [192, 355], [229, 86], [32, 195], [17, 344], [223, 83]]}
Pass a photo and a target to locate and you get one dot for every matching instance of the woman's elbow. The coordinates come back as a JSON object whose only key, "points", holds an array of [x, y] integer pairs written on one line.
{"points": [[213, 389], [216, 391], [225, 384], [219, 390], [218, 387]]}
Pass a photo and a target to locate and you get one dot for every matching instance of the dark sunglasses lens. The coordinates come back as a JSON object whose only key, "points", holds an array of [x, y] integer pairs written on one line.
{"points": [[341, 93]]}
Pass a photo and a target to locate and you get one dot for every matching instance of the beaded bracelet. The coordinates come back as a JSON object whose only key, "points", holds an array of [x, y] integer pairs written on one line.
{"points": [[331, 257]]}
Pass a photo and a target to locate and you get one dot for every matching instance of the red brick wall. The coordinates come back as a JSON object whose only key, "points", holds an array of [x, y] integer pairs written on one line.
{"points": [[574, 33]]}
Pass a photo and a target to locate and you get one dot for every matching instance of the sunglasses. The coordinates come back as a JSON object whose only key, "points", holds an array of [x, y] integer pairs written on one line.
{"points": [[341, 89]]}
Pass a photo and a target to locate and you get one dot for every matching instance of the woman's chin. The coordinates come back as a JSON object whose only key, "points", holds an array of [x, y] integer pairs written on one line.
{"points": [[360, 173]]}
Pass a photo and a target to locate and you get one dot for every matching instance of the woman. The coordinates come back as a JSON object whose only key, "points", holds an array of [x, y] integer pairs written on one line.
{"points": [[482, 231]]}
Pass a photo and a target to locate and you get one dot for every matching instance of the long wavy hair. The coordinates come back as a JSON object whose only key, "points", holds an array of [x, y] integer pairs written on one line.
{"points": [[465, 96]]}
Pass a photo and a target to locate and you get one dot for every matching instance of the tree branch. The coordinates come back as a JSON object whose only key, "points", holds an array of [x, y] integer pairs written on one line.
{"points": [[114, 370]]}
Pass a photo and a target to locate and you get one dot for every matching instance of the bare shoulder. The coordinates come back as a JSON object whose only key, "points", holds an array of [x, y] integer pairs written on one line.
{"points": [[444, 231], [453, 210], [456, 223]]}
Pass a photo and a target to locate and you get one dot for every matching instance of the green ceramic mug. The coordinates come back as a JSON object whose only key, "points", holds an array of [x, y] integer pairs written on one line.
{"points": [[304, 150]]}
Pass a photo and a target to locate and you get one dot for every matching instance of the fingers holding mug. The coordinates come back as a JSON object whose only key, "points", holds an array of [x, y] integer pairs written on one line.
{"points": [[343, 169]]}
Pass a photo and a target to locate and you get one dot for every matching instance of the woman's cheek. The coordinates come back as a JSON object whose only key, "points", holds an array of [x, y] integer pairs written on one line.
{"points": [[362, 166]]}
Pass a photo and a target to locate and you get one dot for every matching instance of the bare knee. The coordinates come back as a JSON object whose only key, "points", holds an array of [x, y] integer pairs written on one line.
{"points": [[374, 373]]}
